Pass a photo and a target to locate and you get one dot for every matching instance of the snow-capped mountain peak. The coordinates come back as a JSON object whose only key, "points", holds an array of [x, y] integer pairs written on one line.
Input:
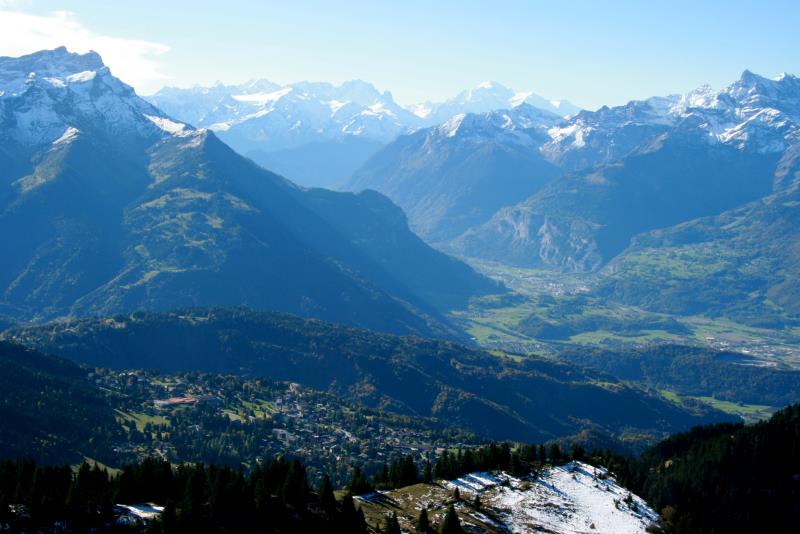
{"points": [[290, 116], [752, 113], [48, 97], [56, 67], [524, 124], [487, 91], [485, 97], [488, 84]]}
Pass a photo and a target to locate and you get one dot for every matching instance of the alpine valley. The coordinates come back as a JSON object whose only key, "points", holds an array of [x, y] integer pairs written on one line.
{"points": [[110, 205], [683, 205], [492, 313]]}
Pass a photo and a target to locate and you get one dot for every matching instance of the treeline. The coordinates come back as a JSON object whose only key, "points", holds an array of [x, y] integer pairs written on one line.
{"points": [[274, 497], [452, 464], [723, 478], [717, 478], [695, 371]]}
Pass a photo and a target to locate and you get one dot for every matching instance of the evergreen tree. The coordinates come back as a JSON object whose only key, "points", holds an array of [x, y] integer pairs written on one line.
{"points": [[578, 452], [261, 499], [358, 484], [423, 524], [451, 524], [554, 454], [427, 473], [360, 526], [392, 525], [295, 487], [326, 499], [403, 472], [442, 465], [351, 520], [381, 479], [169, 518], [516, 464]]}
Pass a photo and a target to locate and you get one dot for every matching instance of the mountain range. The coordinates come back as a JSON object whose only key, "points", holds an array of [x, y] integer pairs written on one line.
{"points": [[681, 204], [457, 175], [108, 204], [651, 194], [317, 133]]}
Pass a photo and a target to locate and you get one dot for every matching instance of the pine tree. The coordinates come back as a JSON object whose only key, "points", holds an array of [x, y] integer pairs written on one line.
{"points": [[351, 520], [295, 487], [427, 474], [360, 526], [555, 453], [169, 518], [451, 524], [261, 497], [381, 479], [358, 484], [423, 524], [326, 499], [392, 525]]}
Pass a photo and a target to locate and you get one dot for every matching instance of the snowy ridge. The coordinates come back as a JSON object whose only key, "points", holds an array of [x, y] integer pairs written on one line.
{"points": [[524, 125], [486, 97], [753, 113], [263, 115], [573, 498], [48, 97]]}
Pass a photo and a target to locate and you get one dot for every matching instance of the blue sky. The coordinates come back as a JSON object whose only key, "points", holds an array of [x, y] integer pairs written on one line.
{"points": [[589, 52]]}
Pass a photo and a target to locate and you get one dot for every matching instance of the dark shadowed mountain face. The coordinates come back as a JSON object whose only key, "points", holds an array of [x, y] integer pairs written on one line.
{"points": [[326, 164], [49, 411], [107, 205], [496, 397], [455, 176]]}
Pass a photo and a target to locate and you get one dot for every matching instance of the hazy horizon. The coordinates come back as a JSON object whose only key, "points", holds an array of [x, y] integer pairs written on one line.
{"points": [[579, 54]]}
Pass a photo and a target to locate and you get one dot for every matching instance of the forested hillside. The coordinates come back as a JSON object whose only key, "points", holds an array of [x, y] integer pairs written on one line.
{"points": [[495, 396], [696, 371], [724, 478], [48, 409]]}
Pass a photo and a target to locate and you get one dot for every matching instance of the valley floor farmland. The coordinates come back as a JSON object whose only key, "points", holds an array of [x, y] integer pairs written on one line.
{"points": [[576, 317]]}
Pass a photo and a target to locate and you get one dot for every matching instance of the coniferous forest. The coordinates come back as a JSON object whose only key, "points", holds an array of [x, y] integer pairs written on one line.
{"points": [[723, 478], [716, 478]]}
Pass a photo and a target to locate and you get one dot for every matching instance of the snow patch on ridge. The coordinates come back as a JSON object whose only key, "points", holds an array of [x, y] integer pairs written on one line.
{"points": [[519, 98], [84, 76], [68, 136], [262, 99], [451, 126], [169, 126]]}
